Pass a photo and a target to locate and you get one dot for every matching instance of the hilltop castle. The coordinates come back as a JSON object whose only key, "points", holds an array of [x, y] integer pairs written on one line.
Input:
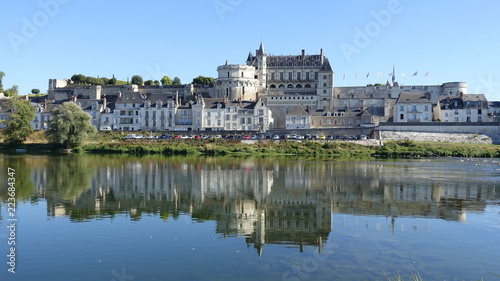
{"points": [[267, 92]]}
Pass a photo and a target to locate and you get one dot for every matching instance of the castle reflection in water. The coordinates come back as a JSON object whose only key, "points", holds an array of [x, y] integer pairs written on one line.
{"points": [[264, 201]]}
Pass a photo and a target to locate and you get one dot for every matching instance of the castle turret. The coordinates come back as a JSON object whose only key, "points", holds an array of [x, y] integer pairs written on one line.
{"points": [[236, 82]]}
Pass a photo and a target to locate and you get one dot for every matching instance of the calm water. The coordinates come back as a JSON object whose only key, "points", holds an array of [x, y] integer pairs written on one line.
{"points": [[121, 218]]}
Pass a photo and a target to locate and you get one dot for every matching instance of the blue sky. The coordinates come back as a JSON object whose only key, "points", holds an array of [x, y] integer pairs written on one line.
{"points": [[451, 40]]}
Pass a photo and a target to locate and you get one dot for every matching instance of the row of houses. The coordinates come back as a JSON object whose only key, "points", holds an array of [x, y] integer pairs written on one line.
{"points": [[417, 107], [135, 111]]}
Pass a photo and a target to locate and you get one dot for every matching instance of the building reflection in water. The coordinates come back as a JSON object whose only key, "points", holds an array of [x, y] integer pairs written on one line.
{"points": [[265, 201]]}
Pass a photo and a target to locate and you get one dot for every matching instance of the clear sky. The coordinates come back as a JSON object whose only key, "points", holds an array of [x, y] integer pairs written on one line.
{"points": [[449, 40]]}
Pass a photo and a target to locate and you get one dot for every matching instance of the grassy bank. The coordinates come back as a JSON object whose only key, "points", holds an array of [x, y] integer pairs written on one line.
{"points": [[113, 142]]}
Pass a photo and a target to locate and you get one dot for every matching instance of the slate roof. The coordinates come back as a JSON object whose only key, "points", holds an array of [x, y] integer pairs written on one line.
{"points": [[297, 111], [211, 103], [407, 97], [130, 97]]}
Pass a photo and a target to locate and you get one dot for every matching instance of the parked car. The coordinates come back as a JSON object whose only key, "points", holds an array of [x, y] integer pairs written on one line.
{"points": [[246, 137], [362, 137], [276, 137]]}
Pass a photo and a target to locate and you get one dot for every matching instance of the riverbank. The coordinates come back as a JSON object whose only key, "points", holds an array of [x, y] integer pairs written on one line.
{"points": [[113, 143]]}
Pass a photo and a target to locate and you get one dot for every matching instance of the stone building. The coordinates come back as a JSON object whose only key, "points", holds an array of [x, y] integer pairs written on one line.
{"points": [[413, 107]]}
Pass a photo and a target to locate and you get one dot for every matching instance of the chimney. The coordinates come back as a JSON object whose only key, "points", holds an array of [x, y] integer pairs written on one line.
{"points": [[104, 103], [303, 54], [428, 96], [322, 55], [257, 96], [461, 94]]}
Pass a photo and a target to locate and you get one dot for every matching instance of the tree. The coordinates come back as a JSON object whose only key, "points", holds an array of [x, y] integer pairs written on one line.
{"points": [[2, 74], [112, 81], [11, 92], [35, 91], [78, 78], [177, 81], [19, 127], [136, 79], [166, 80], [148, 82], [69, 125], [203, 80]]}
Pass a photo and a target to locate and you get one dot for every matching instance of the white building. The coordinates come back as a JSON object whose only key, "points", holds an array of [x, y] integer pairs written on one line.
{"points": [[413, 107]]}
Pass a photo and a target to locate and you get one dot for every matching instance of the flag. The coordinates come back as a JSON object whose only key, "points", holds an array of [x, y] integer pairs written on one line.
{"points": [[356, 77], [427, 74], [391, 74], [415, 74], [403, 74], [368, 74], [344, 76], [379, 74]]}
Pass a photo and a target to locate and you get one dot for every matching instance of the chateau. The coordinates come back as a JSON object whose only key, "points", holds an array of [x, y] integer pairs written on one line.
{"points": [[267, 92]]}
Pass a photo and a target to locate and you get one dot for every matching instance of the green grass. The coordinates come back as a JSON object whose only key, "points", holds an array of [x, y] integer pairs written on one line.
{"points": [[114, 142]]}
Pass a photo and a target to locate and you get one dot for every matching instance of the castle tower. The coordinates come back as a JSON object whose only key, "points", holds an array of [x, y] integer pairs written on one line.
{"points": [[236, 82], [261, 68]]}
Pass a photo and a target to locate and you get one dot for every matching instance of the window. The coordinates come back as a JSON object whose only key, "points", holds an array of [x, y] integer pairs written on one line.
{"points": [[198, 113], [249, 120], [261, 120], [414, 108], [242, 120], [315, 75], [298, 76], [307, 76], [290, 76], [293, 119], [282, 76], [272, 77], [479, 111], [324, 76], [261, 111], [468, 111], [426, 108], [401, 117], [446, 114], [401, 108]]}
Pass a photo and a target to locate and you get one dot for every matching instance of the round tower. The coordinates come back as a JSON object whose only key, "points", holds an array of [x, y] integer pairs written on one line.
{"points": [[236, 82], [455, 89]]}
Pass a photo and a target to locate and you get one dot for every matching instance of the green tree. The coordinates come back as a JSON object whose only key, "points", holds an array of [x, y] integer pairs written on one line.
{"points": [[2, 74], [148, 82], [69, 125], [19, 127], [136, 79], [177, 81], [35, 91], [112, 81], [78, 78], [156, 82], [166, 80], [12, 92], [203, 80]]}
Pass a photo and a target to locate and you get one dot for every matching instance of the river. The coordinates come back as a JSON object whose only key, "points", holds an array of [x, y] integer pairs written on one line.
{"points": [[93, 217]]}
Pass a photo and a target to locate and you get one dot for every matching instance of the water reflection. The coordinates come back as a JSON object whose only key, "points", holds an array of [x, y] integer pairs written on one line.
{"points": [[265, 201]]}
